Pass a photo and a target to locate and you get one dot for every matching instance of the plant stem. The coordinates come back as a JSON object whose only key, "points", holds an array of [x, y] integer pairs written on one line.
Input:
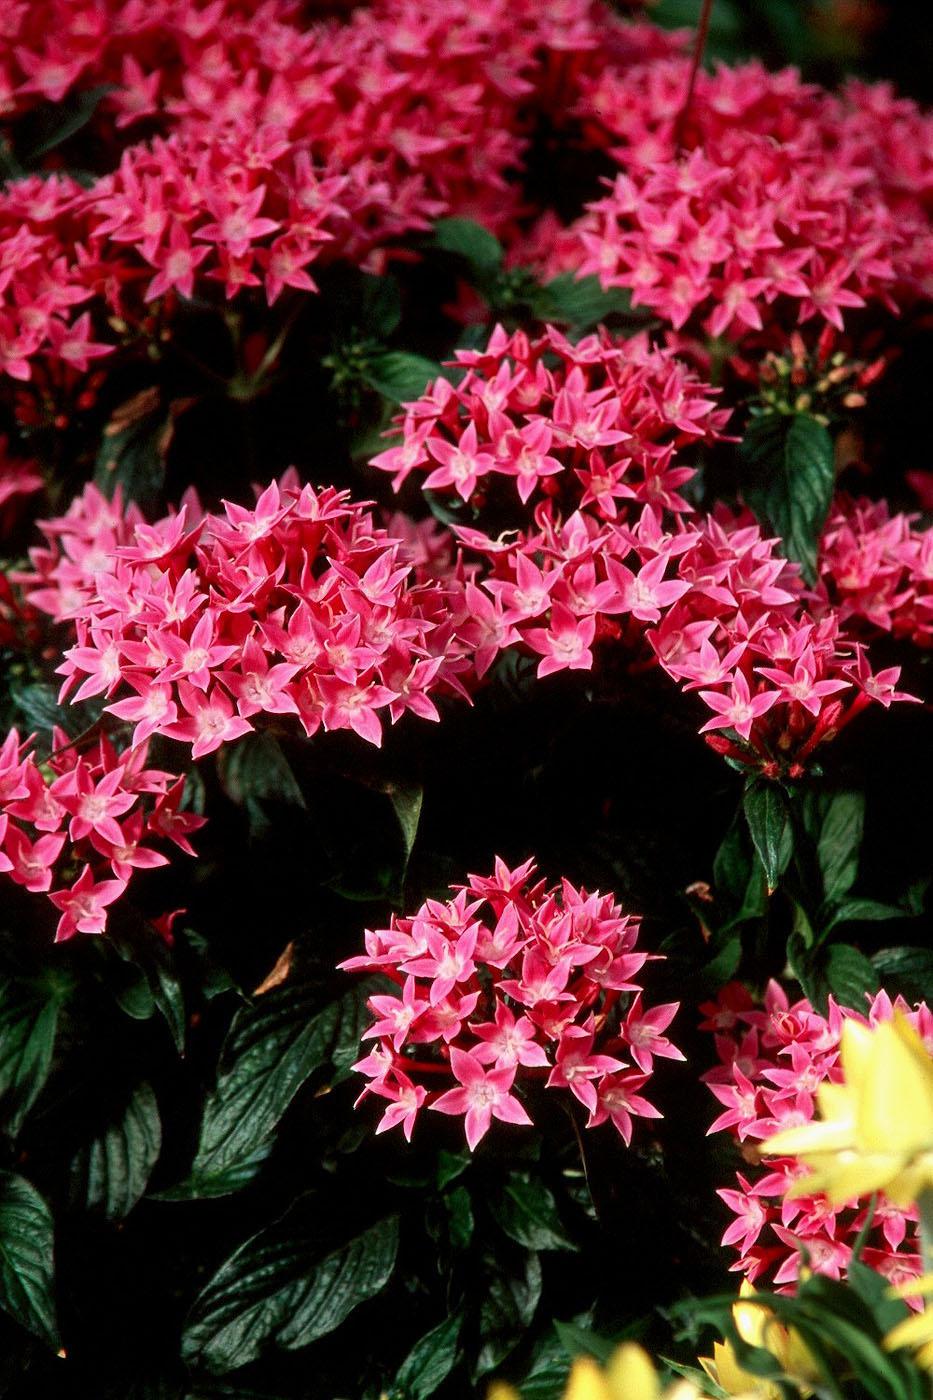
{"points": [[699, 46]]}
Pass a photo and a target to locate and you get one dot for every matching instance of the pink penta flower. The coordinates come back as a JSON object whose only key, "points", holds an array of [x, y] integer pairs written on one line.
{"points": [[482, 1096], [405, 1100], [84, 905]]}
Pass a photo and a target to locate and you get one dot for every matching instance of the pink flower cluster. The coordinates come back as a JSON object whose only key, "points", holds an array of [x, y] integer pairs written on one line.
{"points": [[268, 142], [785, 202], [772, 1058], [511, 981], [301, 605], [586, 436], [84, 821], [878, 569], [48, 275]]}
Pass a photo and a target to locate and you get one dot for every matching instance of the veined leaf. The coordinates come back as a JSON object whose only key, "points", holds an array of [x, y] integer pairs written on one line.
{"points": [[273, 1046], [788, 481], [110, 1174], [26, 1258], [276, 1291]]}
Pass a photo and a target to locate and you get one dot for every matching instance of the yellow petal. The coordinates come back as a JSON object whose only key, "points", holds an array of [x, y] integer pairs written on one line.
{"points": [[631, 1374], [894, 1098], [500, 1391], [851, 1176], [912, 1332], [855, 1051], [920, 1287], [724, 1369], [587, 1381]]}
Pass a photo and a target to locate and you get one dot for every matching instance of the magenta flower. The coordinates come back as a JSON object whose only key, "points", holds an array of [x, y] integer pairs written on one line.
{"points": [[84, 905], [482, 1096]]}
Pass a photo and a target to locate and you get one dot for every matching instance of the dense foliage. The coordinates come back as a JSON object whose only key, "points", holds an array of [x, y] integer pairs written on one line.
{"points": [[466, 602]]}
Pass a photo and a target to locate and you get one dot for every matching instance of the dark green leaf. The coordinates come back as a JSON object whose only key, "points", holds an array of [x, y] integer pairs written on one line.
{"points": [[255, 767], [111, 1173], [875, 1291], [509, 1301], [380, 305], [580, 1341], [133, 449], [766, 813], [864, 910], [460, 1222], [61, 120], [275, 1291], [723, 967], [430, 1361], [788, 481], [141, 946], [526, 1211], [450, 1165], [29, 1011], [406, 802], [399, 375], [470, 241], [271, 1049], [850, 975], [839, 842], [210, 1185], [26, 1258], [907, 967], [580, 302]]}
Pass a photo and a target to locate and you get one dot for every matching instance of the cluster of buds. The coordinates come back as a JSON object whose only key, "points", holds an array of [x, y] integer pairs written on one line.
{"points": [[821, 380], [508, 982]]}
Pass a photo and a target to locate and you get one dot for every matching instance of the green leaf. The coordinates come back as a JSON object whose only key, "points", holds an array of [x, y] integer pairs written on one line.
{"points": [[134, 447], [509, 1302], [460, 1222], [788, 477], [875, 1291], [864, 910], [839, 842], [765, 809], [271, 1049], [450, 1165], [526, 1211], [26, 1258], [406, 803], [29, 1011], [850, 975], [580, 302], [140, 945], [723, 967], [111, 1173], [907, 967], [38, 705], [274, 1291], [209, 1186], [255, 767], [580, 1341], [470, 241], [380, 305], [398, 375], [54, 124], [430, 1361]]}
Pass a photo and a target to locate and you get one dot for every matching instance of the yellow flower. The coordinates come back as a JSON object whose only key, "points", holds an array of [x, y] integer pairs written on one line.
{"points": [[757, 1326], [629, 1375], [876, 1127], [915, 1331]]}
